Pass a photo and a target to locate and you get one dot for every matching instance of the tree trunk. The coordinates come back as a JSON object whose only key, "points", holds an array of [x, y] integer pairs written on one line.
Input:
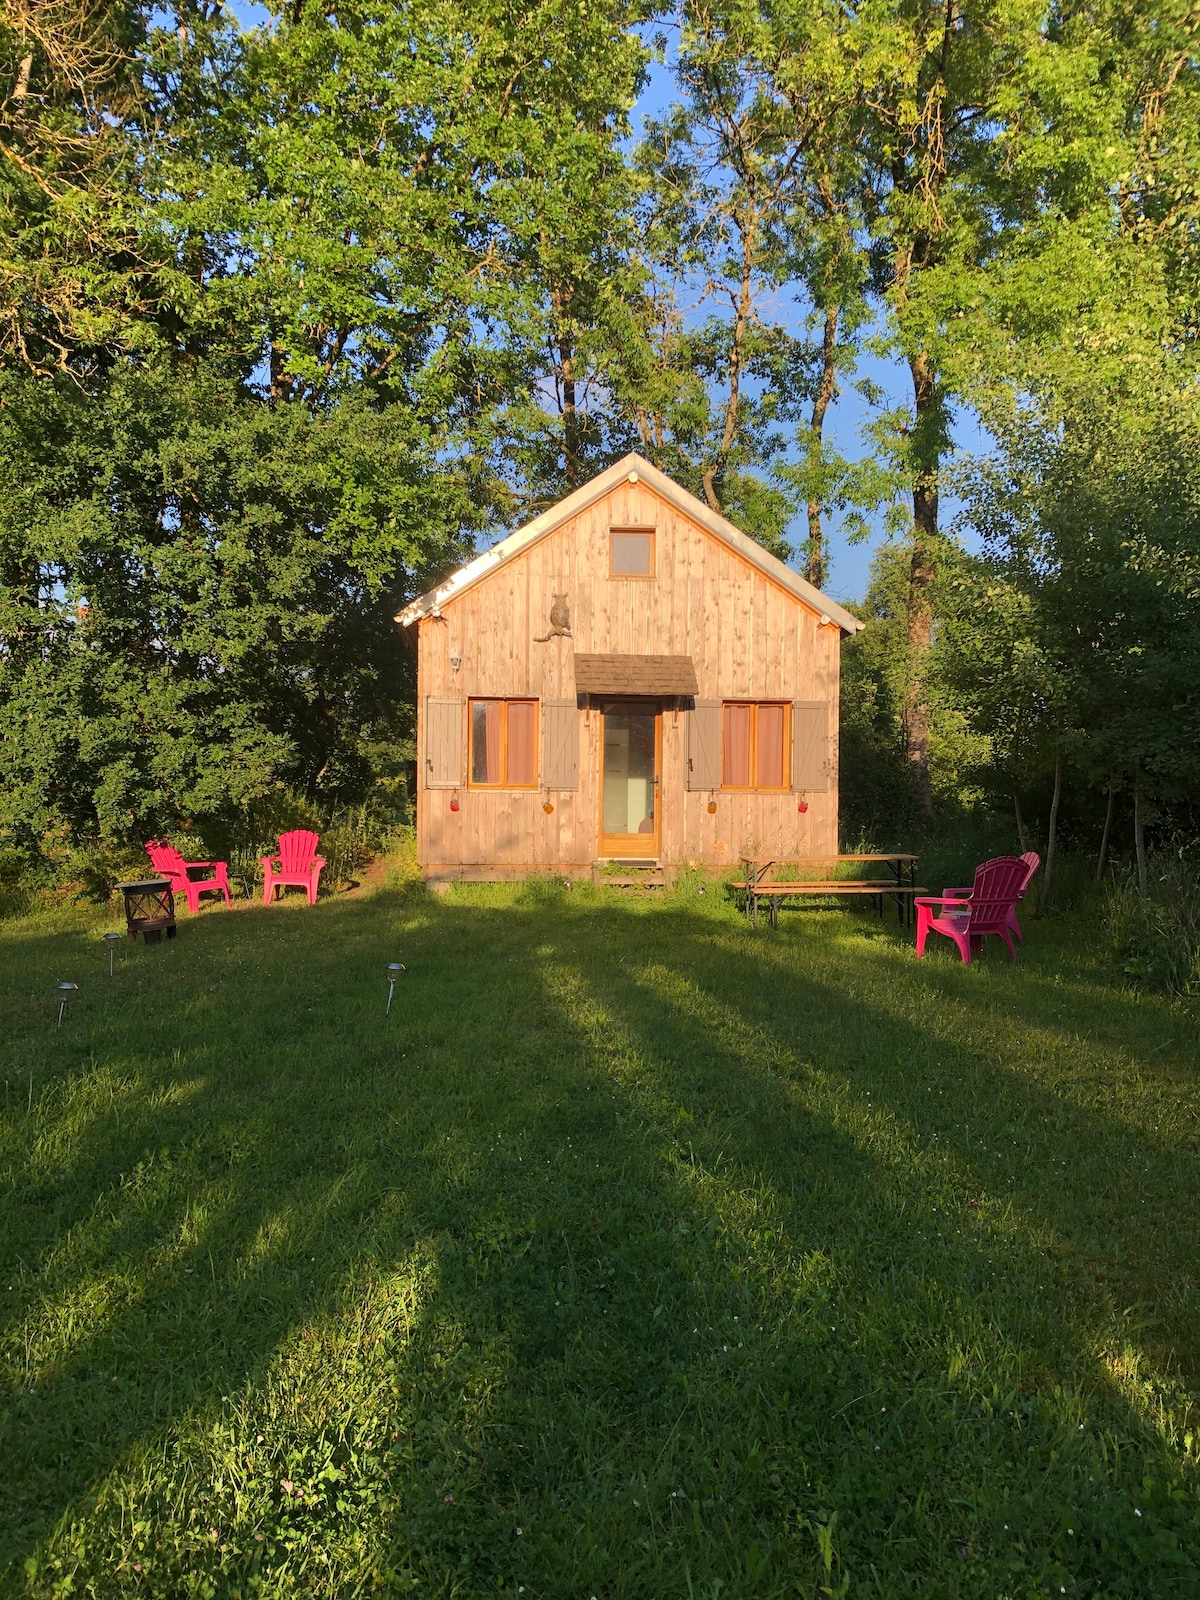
{"points": [[1139, 840], [821, 400], [743, 306], [1022, 836], [281, 380], [1103, 861], [1052, 837], [921, 572], [571, 462], [564, 348]]}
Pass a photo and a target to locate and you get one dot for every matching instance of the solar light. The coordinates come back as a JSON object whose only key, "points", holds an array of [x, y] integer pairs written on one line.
{"points": [[65, 991], [395, 968], [112, 940]]}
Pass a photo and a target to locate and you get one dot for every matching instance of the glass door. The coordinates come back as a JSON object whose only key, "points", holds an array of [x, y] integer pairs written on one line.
{"points": [[630, 820]]}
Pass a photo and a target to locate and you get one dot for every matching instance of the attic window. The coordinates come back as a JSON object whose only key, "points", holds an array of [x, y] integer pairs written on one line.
{"points": [[631, 552]]}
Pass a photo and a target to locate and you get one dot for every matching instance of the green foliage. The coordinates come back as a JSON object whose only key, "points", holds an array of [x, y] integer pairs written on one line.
{"points": [[875, 786], [198, 598], [1156, 937]]}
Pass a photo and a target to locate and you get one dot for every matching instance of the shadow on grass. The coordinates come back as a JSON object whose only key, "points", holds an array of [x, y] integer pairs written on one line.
{"points": [[647, 1242]]}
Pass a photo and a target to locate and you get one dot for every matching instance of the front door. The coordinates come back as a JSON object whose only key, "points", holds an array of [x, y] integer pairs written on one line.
{"points": [[631, 748]]}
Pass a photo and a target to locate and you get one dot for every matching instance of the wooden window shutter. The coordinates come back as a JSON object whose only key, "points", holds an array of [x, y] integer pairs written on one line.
{"points": [[810, 746], [443, 743], [704, 745], [560, 744]]}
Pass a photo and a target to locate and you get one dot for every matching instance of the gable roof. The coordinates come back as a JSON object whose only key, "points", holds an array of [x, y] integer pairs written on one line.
{"points": [[630, 468]]}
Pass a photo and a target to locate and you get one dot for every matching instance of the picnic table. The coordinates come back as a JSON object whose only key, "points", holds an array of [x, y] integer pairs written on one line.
{"points": [[901, 866]]}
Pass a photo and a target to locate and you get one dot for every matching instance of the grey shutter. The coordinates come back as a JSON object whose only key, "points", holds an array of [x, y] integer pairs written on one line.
{"points": [[443, 743], [810, 746], [704, 745], [560, 744]]}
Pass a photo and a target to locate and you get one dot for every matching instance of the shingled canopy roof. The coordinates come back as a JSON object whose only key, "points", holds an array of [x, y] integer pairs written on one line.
{"points": [[635, 675]]}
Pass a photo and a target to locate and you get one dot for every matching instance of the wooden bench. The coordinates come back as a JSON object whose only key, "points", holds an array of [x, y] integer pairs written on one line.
{"points": [[877, 888]]}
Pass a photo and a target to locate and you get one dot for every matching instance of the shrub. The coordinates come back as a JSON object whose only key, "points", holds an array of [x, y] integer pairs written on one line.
{"points": [[1156, 938]]}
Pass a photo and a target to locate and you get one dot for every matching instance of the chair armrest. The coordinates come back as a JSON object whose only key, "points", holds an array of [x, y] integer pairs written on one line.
{"points": [[268, 861], [941, 900], [319, 861]]}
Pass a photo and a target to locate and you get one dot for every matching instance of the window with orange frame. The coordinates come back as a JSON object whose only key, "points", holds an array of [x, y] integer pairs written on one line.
{"points": [[756, 744], [503, 744]]}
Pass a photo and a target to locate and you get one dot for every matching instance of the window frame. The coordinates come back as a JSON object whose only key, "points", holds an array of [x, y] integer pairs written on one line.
{"points": [[635, 577], [503, 701], [754, 787]]}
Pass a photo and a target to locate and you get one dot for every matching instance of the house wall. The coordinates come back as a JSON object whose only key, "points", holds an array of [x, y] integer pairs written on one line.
{"points": [[748, 638]]}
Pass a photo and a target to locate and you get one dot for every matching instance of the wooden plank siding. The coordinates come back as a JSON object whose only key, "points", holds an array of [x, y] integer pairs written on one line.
{"points": [[748, 637]]}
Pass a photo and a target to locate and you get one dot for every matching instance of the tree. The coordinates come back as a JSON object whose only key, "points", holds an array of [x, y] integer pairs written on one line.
{"points": [[312, 406], [72, 273]]}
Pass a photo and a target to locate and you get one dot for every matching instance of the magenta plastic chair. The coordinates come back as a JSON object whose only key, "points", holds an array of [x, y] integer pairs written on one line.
{"points": [[297, 863], [171, 864], [986, 909], [1032, 862]]}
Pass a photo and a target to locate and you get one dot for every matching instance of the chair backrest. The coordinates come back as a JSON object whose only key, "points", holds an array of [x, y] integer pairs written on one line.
{"points": [[297, 849], [1032, 862], [996, 890], [165, 856]]}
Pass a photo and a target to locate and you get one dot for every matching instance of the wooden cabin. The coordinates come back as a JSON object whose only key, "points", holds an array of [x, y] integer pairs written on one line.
{"points": [[628, 678]]}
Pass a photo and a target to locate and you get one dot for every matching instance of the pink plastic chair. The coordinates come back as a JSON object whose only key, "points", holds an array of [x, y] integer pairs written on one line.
{"points": [[297, 863], [1032, 862], [171, 864], [986, 909]]}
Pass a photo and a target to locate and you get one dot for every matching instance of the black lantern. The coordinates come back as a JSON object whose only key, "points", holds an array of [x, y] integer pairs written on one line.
{"points": [[149, 909]]}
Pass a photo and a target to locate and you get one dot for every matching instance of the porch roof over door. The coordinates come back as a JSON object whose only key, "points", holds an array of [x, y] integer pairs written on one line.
{"points": [[666, 676]]}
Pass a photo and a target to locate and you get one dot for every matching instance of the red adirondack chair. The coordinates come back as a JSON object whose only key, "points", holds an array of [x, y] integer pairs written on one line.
{"points": [[971, 917], [297, 863], [171, 864], [1032, 862]]}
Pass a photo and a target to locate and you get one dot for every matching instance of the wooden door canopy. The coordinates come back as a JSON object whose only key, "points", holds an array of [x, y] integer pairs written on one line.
{"points": [[665, 676]]}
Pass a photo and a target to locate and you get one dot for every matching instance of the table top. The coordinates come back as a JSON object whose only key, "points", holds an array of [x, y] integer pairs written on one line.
{"points": [[146, 883], [891, 855]]}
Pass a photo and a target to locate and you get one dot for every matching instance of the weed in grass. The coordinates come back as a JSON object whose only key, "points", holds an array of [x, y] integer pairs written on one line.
{"points": [[634, 1255]]}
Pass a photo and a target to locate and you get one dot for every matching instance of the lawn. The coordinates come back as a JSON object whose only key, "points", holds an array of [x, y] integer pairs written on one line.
{"points": [[635, 1254]]}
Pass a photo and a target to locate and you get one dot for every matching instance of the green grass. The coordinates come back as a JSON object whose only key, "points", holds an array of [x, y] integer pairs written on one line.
{"points": [[635, 1254]]}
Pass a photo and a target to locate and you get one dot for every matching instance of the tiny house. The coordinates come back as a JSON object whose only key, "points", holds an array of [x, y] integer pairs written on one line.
{"points": [[628, 678]]}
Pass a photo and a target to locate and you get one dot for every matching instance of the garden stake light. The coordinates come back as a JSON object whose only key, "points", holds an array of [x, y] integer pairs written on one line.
{"points": [[112, 940], [395, 968], [65, 990]]}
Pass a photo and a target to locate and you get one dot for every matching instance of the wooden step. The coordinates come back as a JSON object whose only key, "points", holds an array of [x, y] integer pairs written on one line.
{"points": [[641, 874]]}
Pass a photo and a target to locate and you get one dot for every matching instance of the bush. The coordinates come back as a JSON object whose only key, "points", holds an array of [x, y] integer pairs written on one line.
{"points": [[1156, 939], [351, 836]]}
